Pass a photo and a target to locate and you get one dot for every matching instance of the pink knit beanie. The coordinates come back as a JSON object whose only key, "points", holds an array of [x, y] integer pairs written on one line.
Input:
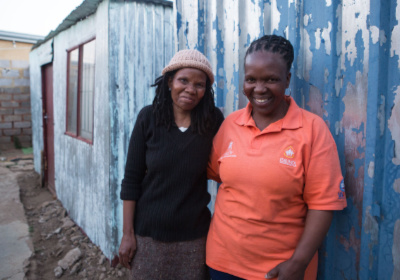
{"points": [[191, 59]]}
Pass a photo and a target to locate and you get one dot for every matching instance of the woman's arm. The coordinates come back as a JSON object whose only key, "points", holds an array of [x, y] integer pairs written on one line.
{"points": [[127, 248], [315, 230]]}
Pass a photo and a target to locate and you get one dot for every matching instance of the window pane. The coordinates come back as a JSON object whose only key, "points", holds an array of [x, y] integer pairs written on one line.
{"points": [[87, 91], [72, 108]]}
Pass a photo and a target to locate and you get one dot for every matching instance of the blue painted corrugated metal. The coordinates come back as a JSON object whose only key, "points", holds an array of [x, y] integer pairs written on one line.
{"points": [[346, 70]]}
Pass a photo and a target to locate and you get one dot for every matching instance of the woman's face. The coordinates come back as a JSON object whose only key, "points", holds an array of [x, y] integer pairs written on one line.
{"points": [[188, 87], [266, 78]]}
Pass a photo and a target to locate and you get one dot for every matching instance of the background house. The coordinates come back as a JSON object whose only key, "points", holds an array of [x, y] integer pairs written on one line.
{"points": [[89, 79], [15, 112]]}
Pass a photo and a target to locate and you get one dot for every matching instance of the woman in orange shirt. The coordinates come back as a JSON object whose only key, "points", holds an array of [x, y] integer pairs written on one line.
{"points": [[280, 174]]}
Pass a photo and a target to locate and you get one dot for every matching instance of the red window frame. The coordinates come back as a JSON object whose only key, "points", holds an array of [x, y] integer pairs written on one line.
{"points": [[78, 110]]}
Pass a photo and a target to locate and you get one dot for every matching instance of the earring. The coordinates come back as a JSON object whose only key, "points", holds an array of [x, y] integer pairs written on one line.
{"points": [[169, 89]]}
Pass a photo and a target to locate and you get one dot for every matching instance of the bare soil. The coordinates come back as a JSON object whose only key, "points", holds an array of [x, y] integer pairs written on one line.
{"points": [[61, 249]]}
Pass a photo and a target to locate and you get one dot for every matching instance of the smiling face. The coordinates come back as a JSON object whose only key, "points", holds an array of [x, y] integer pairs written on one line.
{"points": [[188, 87], [265, 81]]}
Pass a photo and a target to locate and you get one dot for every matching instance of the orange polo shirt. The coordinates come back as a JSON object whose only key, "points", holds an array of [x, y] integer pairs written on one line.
{"points": [[270, 179]]}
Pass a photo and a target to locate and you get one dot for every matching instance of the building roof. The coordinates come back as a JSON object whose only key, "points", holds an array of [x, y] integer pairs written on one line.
{"points": [[19, 37], [87, 8]]}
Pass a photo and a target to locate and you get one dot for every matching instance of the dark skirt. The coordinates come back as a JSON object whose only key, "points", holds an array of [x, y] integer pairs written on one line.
{"points": [[169, 260]]}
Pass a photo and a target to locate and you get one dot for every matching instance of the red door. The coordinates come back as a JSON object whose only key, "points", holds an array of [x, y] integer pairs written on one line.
{"points": [[48, 126]]}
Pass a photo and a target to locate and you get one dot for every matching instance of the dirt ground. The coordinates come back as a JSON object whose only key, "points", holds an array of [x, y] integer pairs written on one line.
{"points": [[61, 249]]}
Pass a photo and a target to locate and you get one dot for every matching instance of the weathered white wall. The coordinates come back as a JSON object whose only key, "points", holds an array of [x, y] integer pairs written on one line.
{"points": [[141, 36], [82, 169]]}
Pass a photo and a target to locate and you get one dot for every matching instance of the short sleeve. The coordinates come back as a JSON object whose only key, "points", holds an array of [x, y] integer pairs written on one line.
{"points": [[213, 165], [324, 185]]}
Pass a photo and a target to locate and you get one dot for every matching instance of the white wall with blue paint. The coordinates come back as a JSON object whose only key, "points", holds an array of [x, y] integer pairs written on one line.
{"points": [[142, 44], [346, 70]]}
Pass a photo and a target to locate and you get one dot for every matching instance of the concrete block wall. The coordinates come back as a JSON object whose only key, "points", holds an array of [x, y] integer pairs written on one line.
{"points": [[15, 105]]}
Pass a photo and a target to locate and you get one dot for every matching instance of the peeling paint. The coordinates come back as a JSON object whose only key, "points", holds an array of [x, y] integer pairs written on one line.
{"points": [[338, 79], [306, 19], [274, 14], [317, 35], [382, 37], [326, 75], [315, 103], [371, 169], [338, 127], [353, 21], [394, 127], [355, 102], [304, 60], [395, 45], [374, 34], [352, 242], [396, 185], [354, 120], [371, 227], [190, 31], [396, 251], [327, 38]]}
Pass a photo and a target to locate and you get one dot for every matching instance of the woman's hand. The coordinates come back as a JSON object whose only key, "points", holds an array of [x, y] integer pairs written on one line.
{"points": [[288, 270], [315, 229], [127, 249]]}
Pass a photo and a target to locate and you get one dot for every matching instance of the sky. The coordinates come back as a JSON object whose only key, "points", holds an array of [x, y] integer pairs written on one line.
{"points": [[35, 17]]}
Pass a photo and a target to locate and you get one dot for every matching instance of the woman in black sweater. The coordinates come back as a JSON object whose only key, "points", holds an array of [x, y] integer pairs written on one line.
{"points": [[164, 190]]}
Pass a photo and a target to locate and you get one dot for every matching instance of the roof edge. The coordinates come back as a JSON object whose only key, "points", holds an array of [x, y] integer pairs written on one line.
{"points": [[19, 37], [87, 8]]}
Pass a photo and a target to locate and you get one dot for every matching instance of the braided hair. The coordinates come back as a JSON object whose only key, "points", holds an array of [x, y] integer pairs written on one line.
{"points": [[274, 44], [202, 116]]}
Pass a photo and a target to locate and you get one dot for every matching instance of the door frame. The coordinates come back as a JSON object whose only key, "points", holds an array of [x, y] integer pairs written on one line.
{"points": [[46, 153]]}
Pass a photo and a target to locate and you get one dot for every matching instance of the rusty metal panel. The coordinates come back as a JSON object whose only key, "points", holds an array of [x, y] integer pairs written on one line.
{"points": [[346, 70], [141, 36]]}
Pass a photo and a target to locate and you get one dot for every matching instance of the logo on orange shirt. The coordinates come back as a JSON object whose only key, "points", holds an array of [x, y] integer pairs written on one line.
{"points": [[289, 152], [229, 152]]}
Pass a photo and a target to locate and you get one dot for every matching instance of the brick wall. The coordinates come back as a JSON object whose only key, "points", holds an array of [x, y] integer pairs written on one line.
{"points": [[15, 106]]}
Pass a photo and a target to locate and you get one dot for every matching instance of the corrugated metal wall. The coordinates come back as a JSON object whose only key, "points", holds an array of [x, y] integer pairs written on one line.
{"points": [[134, 40], [141, 44], [82, 169], [346, 70]]}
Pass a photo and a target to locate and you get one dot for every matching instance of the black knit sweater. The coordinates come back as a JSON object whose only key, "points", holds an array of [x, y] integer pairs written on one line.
{"points": [[166, 175]]}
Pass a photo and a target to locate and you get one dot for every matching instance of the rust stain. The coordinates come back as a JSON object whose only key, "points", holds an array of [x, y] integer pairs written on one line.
{"points": [[316, 103], [352, 242], [354, 120], [396, 251], [371, 227], [394, 126]]}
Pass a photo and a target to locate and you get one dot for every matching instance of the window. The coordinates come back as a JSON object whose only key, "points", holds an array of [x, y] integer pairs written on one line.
{"points": [[80, 91]]}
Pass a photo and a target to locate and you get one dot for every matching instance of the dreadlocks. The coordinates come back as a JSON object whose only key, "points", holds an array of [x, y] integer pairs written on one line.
{"points": [[202, 116], [275, 44]]}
